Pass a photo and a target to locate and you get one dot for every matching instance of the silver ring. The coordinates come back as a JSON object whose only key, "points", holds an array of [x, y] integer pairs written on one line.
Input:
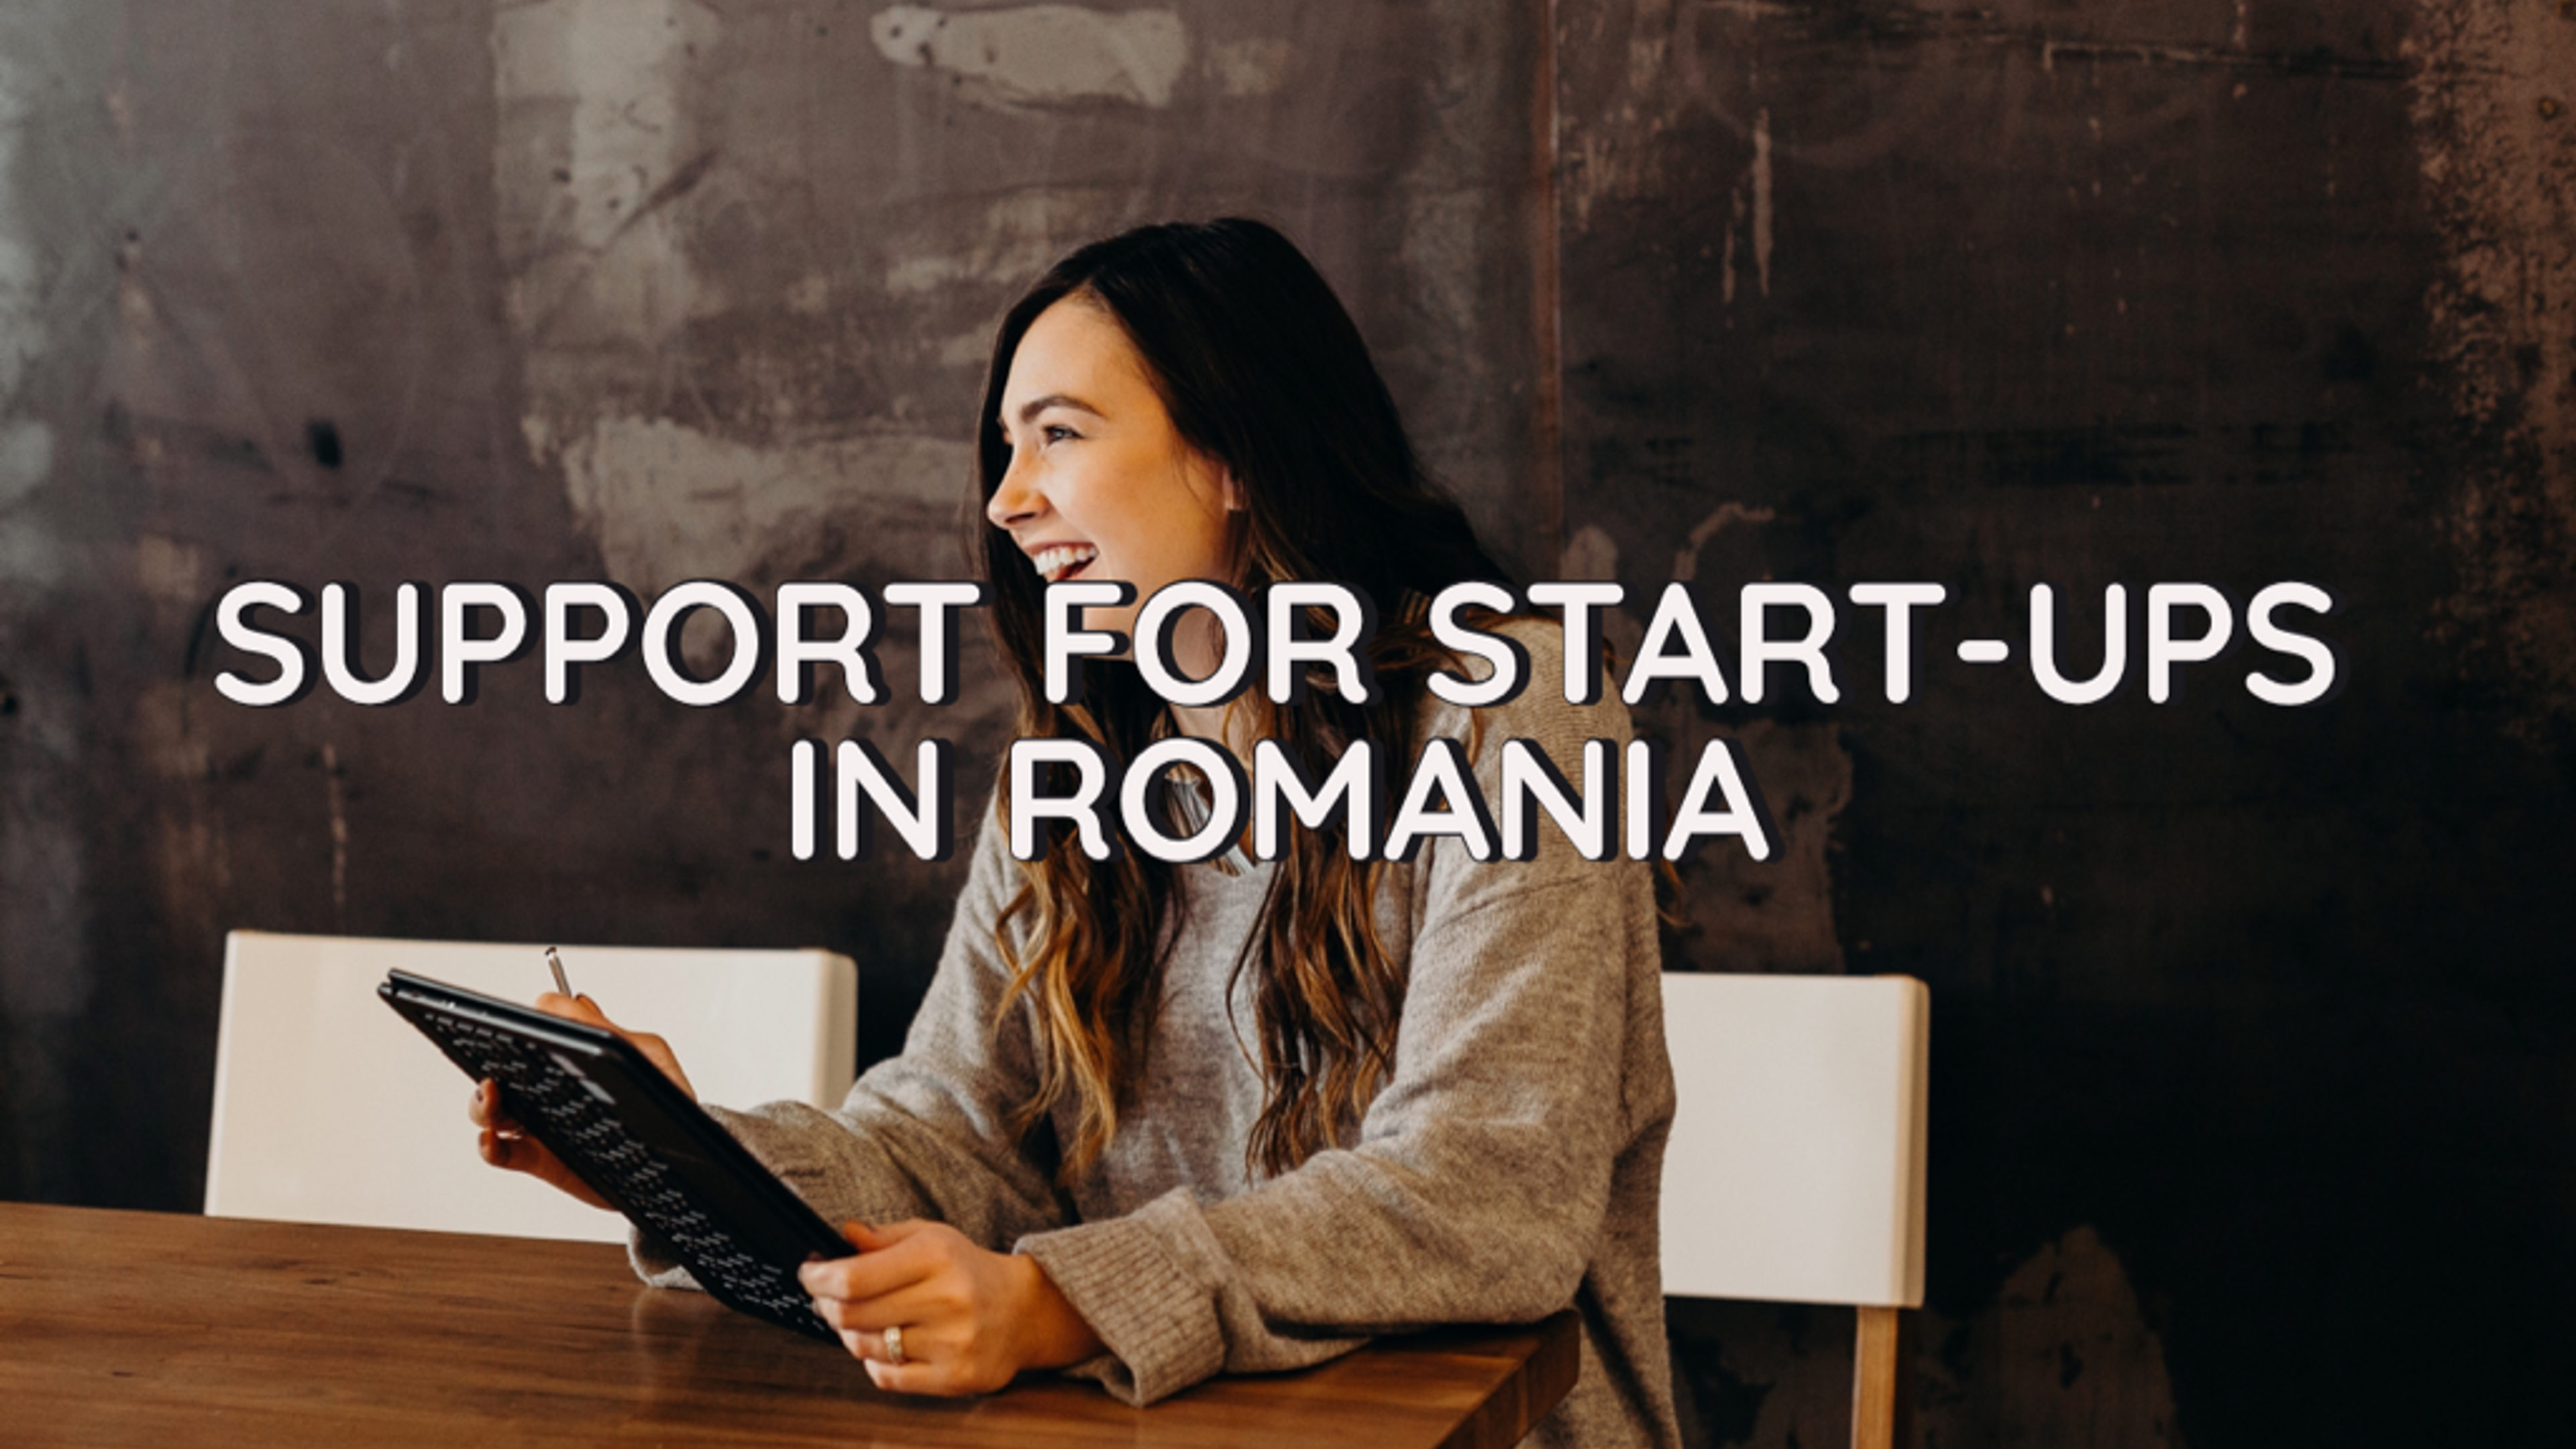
{"points": [[894, 1346]]}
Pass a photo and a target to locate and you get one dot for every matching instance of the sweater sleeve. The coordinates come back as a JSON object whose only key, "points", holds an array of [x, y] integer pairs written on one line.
{"points": [[1478, 1185], [926, 1134]]}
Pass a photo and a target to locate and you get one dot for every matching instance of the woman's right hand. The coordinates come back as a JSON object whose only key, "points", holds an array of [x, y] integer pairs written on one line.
{"points": [[506, 1145]]}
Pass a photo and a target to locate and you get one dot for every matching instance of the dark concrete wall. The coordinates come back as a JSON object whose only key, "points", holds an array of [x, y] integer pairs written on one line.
{"points": [[2247, 1064], [2250, 1091]]}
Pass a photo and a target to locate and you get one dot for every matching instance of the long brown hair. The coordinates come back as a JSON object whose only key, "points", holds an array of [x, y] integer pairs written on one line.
{"points": [[1262, 370]]}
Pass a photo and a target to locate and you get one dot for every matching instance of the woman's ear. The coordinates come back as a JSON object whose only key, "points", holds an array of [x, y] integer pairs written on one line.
{"points": [[1230, 488]]}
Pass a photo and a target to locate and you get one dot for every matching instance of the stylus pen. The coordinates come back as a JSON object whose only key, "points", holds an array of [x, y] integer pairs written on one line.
{"points": [[555, 964]]}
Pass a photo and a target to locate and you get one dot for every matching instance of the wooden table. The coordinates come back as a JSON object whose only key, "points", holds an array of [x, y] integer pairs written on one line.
{"points": [[147, 1328]]}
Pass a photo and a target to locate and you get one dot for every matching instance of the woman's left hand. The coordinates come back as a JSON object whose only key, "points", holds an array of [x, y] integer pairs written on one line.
{"points": [[971, 1319]]}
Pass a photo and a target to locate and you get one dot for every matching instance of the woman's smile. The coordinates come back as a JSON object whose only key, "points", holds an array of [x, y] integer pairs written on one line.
{"points": [[1058, 562]]}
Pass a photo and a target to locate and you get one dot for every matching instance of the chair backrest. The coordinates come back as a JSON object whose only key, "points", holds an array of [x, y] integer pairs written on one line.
{"points": [[1795, 1170], [329, 1108]]}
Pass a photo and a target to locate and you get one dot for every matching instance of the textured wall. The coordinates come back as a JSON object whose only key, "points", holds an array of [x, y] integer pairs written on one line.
{"points": [[2250, 1088], [2248, 1067]]}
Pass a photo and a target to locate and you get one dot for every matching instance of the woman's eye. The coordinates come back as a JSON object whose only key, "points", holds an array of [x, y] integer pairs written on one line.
{"points": [[1058, 432]]}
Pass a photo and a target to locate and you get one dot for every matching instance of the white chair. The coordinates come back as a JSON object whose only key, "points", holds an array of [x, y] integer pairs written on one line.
{"points": [[1795, 1169], [329, 1108]]}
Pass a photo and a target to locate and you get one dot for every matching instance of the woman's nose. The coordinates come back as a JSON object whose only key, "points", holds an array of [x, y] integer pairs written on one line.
{"points": [[1014, 501]]}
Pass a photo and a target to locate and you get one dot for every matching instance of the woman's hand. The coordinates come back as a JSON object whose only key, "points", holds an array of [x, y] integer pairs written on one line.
{"points": [[971, 1318], [504, 1144]]}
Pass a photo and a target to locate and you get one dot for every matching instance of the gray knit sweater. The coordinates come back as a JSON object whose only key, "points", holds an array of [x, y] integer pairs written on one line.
{"points": [[1508, 1169]]}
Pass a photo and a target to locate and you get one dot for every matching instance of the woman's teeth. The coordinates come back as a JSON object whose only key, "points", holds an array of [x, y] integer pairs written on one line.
{"points": [[1054, 563]]}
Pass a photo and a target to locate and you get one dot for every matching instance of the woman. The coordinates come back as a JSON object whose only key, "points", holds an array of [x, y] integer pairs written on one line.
{"points": [[1154, 1122]]}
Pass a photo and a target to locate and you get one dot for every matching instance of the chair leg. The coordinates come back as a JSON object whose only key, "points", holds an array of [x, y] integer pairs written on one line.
{"points": [[1879, 1400]]}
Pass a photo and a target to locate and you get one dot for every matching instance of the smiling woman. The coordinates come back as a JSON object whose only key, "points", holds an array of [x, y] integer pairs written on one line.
{"points": [[1157, 1118]]}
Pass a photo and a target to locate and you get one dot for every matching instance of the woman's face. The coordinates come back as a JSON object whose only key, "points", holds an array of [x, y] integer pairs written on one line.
{"points": [[1101, 486]]}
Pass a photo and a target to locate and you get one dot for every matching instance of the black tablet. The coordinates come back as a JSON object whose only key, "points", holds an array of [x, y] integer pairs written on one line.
{"points": [[633, 1135]]}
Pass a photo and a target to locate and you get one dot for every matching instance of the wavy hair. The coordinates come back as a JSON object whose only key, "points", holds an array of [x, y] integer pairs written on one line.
{"points": [[1262, 370]]}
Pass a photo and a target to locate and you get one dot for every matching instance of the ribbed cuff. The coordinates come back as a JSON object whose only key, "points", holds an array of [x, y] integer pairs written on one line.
{"points": [[1159, 1324], [654, 1261]]}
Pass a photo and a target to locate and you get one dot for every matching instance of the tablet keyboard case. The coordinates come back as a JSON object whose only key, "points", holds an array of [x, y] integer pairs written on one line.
{"points": [[615, 1119]]}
